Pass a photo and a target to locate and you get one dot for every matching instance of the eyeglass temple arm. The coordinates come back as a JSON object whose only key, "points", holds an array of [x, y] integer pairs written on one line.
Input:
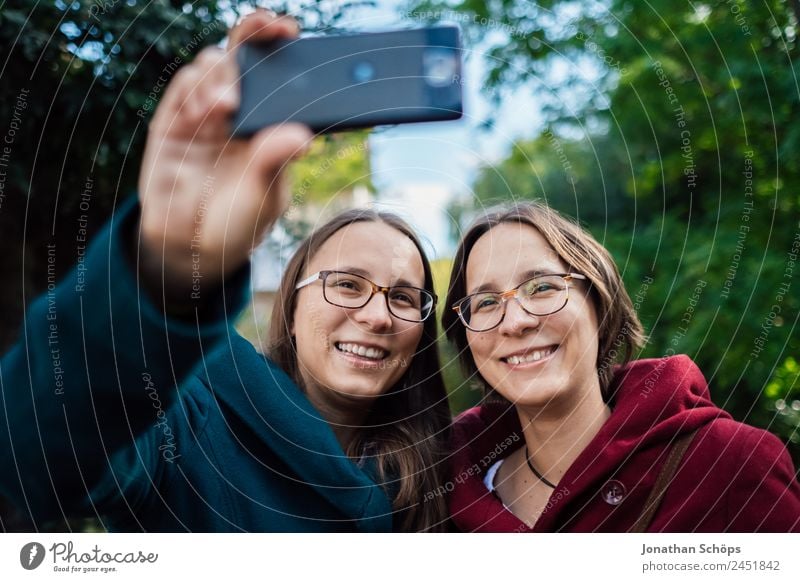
{"points": [[308, 281]]}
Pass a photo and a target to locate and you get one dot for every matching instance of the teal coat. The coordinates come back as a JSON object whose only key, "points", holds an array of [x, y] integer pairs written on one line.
{"points": [[157, 424]]}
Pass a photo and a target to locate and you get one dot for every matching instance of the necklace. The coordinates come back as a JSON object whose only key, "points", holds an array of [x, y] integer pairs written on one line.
{"points": [[537, 473]]}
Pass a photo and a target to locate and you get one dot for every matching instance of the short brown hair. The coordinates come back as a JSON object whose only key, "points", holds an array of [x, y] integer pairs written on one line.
{"points": [[620, 332], [407, 429]]}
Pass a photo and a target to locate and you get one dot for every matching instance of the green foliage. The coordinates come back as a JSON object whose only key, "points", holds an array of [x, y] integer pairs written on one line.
{"points": [[785, 389], [462, 393], [580, 178], [335, 163], [79, 83], [679, 123]]}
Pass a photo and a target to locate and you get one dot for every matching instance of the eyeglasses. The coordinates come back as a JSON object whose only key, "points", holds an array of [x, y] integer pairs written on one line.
{"points": [[352, 291], [542, 295]]}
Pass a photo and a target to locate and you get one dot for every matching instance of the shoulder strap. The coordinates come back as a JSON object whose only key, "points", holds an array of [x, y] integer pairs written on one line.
{"points": [[662, 482]]}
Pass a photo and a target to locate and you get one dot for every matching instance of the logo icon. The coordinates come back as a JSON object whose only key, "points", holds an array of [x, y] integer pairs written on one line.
{"points": [[31, 555]]}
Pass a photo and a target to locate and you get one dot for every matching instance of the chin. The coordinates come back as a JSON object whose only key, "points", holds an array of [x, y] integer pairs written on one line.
{"points": [[531, 394], [358, 387]]}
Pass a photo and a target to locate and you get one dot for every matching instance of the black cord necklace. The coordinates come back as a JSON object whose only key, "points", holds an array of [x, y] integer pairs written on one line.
{"points": [[537, 473]]}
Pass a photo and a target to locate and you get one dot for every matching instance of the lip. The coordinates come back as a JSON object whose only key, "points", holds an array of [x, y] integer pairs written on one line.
{"points": [[527, 351]]}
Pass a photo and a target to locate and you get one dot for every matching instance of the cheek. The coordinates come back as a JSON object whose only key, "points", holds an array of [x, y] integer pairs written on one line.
{"points": [[312, 326], [410, 343], [479, 346]]}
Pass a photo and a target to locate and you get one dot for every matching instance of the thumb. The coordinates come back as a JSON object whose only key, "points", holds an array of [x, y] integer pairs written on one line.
{"points": [[273, 147]]}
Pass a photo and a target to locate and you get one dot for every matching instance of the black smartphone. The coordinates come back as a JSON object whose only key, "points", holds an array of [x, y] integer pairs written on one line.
{"points": [[333, 83]]}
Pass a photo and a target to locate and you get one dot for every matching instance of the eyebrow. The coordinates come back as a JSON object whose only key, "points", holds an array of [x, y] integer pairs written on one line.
{"points": [[521, 278], [401, 282]]}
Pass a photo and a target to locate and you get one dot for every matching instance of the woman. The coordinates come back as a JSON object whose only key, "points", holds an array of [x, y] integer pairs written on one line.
{"points": [[340, 429], [566, 441]]}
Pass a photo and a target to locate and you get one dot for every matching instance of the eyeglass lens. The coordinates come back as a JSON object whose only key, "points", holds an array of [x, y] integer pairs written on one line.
{"points": [[354, 291], [539, 296]]}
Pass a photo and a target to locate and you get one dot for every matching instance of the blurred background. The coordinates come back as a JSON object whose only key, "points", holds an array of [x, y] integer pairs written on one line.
{"points": [[664, 127]]}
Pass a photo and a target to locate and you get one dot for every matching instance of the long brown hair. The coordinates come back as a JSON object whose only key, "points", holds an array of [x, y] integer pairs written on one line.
{"points": [[406, 430], [620, 331]]}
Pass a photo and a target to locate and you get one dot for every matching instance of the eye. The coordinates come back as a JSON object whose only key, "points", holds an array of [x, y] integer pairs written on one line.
{"points": [[542, 287], [341, 283], [485, 302], [404, 297]]}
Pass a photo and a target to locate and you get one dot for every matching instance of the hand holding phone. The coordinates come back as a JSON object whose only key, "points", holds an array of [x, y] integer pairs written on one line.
{"points": [[333, 83], [206, 199]]}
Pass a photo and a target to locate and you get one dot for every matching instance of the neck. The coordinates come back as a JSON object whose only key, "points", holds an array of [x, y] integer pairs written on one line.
{"points": [[557, 433], [344, 415]]}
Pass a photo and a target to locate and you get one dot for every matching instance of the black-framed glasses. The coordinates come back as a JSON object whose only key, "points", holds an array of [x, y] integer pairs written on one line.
{"points": [[352, 291], [542, 295]]}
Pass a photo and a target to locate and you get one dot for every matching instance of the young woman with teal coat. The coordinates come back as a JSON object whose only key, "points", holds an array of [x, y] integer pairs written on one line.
{"points": [[130, 397]]}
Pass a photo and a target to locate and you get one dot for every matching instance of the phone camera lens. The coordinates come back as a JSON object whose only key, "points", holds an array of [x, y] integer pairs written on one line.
{"points": [[440, 67], [363, 72]]}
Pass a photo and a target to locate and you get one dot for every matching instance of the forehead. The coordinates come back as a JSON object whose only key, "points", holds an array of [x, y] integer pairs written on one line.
{"points": [[502, 255], [384, 253]]}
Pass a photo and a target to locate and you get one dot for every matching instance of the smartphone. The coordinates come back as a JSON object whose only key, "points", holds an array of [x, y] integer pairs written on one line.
{"points": [[334, 83]]}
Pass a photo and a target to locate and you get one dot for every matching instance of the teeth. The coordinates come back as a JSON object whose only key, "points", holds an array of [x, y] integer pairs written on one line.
{"points": [[363, 351], [531, 357]]}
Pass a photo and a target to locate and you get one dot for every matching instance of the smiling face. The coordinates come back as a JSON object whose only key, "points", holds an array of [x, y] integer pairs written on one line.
{"points": [[532, 361], [344, 354]]}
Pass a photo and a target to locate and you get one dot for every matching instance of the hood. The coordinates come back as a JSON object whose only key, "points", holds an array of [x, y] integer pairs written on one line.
{"points": [[653, 402], [286, 422]]}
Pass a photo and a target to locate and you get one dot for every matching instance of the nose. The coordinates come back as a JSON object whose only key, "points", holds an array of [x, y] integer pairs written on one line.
{"points": [[375, 314], [517, 320]]}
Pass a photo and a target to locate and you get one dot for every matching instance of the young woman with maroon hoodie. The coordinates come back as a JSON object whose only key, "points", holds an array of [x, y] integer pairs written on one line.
{"points": [[568, 440]]}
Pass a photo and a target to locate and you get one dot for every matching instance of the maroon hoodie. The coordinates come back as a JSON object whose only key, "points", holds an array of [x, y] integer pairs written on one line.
{"points": [[733, 477]]}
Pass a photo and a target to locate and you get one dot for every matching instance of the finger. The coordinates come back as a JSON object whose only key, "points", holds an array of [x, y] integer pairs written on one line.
{"points": [[217, 91], [201, 97], [262, 26], [172, 109], [275, 146]]}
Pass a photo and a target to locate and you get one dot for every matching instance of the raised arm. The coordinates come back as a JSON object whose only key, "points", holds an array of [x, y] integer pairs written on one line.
{"points": [[158, 290]]}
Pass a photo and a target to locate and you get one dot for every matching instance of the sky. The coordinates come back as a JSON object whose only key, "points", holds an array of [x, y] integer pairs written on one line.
{"points": [[419, 168]]}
